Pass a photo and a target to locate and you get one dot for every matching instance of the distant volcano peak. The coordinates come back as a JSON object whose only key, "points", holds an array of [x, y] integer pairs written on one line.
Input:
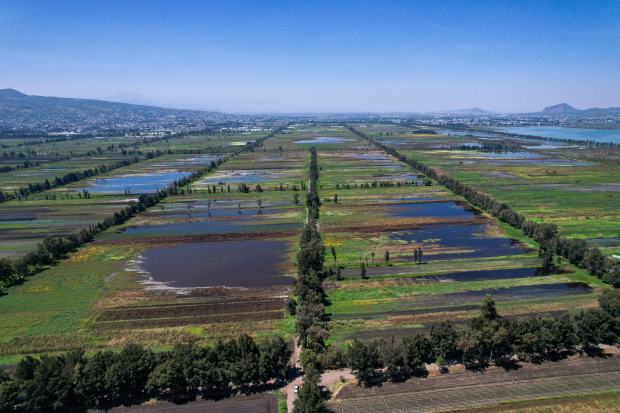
{"points": [[561, 108], [11, 93]]}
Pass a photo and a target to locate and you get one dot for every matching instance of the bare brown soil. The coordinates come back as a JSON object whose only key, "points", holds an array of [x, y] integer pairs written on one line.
{"points": [[185, 310], [574, 366], [191, 320], [187, 239], [404, 224]]}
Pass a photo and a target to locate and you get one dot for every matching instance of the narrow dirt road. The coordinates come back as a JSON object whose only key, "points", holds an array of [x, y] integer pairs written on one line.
{"points": [[326, 379]]}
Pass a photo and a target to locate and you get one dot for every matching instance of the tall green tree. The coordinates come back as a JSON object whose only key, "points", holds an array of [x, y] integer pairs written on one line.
{"points": [[310, 398], [488, 309]]}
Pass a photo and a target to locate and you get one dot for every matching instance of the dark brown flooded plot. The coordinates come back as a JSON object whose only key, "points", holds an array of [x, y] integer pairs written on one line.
{"points": [[212, 264]]}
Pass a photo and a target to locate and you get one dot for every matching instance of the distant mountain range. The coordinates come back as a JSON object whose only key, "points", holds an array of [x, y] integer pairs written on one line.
{"points": [[565, 108], [15, 101], [21, 112]]}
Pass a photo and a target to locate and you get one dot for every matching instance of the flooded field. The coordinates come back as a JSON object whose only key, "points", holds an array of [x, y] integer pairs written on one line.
{"points": [[435, 209], [212, 264], [462, 241], [324, 139], [248, 176], [142, 183]]}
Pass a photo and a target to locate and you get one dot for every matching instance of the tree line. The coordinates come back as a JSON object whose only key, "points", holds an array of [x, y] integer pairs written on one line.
{"points": [[308, 289], [576, 251], [106, 379], [310, 310]]}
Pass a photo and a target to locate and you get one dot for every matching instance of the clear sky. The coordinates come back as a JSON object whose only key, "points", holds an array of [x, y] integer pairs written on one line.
{"points": [[332, 56]]}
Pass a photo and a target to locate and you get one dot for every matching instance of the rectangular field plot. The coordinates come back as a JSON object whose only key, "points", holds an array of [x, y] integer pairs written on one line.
{"points": [[477, 396]]}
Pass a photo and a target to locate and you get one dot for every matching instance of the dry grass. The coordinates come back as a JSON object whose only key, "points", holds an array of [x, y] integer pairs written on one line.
{"points": [[607, 402]]}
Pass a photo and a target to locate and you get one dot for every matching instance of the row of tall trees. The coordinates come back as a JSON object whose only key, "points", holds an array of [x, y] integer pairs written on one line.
{"points": [[488, 338], [56, 383], [310, 323], [576, 251]]}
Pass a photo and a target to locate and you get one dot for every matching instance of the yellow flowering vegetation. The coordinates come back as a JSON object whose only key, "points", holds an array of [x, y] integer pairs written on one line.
{"points": [[104, 253]]}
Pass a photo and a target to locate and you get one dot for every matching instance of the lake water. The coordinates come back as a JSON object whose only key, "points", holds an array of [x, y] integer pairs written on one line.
{"points": [[596, 135]]}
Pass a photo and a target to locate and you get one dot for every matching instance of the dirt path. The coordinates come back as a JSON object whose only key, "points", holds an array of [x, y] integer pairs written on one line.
{"points": [[327, 380], [289, 390]]}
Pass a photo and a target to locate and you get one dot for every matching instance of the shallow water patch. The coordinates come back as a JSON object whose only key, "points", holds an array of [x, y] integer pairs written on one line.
{"points": [[212, 264], [138, 183], [247, 176], [469, 238], [433, 209], [324, 139]]}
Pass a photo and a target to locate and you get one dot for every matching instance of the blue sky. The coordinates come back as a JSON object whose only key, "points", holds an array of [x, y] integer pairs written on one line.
{"points": [[317, 56]]}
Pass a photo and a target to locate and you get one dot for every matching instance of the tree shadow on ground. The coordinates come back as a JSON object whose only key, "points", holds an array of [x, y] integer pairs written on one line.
{"points": [[509, 364], [596, 352]]}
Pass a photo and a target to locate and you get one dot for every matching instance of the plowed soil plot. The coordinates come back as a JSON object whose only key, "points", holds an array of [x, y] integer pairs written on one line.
{"points": [[204, 228], [187, 314], [231, 264], [184, 310], [471, 389]]}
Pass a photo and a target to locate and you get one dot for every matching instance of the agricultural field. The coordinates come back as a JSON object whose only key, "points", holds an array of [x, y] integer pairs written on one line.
{"points": [[575, 187], [217, 259], [65, 209], [373, 204], [164, 275], [566, 385]]}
